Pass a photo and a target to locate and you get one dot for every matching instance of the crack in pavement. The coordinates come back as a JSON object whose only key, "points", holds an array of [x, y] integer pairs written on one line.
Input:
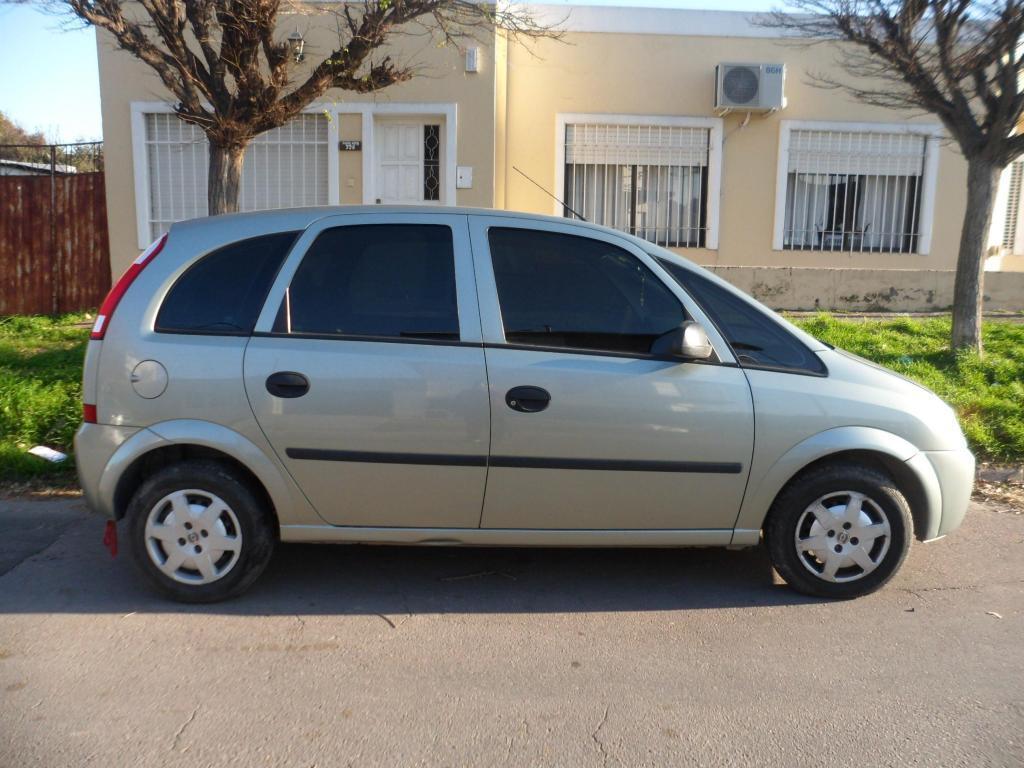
{"points": [[597, 741], [181, 730], [511, 740], [920, 591]]}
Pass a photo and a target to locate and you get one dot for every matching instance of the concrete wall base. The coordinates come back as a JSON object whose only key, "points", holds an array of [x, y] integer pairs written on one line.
{"points": [[897, 290]]}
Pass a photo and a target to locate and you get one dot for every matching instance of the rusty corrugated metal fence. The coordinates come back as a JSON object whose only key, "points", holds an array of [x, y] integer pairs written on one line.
{"points": [[54, 249]]}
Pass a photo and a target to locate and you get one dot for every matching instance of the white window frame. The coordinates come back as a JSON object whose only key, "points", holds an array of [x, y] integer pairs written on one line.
{"points": [[713, 126], [447, 113], [932, 133], [140, 163]]}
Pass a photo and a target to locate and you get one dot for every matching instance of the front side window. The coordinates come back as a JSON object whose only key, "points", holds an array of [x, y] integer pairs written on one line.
{"points": [[392, 281], [223, 292], [854, 191], [648, 180], [573, 292], [756, 341]]}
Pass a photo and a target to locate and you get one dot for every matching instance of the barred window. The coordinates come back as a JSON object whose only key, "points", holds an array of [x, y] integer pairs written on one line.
{"points": [[854, 191], [648, 180], [283, 168], [1010, 223]]}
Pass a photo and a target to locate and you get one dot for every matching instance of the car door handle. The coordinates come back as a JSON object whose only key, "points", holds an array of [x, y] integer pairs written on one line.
{"points": [[527, 399], [287, 384]]}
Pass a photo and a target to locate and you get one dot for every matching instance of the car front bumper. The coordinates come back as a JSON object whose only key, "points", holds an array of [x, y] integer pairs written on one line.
{"points": [[954, 471]]}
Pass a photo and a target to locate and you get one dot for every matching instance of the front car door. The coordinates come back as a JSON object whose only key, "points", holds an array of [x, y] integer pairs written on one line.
{"points": [[608, 436], [367, 375]]}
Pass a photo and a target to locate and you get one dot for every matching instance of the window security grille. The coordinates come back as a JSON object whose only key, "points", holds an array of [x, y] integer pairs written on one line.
{"points": [[1013, 207], [854, 191], [431, 162], [647, 180], [283, 168]]}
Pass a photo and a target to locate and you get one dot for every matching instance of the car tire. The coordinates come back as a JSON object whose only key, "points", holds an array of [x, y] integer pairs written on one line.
{"points": [[198, 532], [839, 531]]}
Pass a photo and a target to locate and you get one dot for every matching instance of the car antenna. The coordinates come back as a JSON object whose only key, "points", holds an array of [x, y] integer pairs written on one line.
{"points": [[538, 186]]}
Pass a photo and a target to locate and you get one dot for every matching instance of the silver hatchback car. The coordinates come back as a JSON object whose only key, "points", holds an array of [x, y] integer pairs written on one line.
{"points": [[471, 377]]}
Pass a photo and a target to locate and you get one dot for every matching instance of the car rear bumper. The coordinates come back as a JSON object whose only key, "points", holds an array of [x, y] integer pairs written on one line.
{"points": [[955, 473], [95, 445]]}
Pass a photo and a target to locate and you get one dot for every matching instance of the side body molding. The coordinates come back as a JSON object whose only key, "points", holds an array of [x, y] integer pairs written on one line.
{"points": [[289, 501], [765, 483]]}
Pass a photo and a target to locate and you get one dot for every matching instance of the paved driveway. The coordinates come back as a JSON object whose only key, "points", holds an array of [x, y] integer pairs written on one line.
{"points": [[394, 657]]}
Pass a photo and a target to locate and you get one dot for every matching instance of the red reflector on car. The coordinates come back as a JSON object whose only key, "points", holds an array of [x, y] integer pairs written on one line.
{"points": [[110, 303], [88, 413], [110, 537]]}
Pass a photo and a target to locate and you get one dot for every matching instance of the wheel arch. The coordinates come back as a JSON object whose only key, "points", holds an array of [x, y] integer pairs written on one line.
{"points": [[909, 469], [169, 442]]}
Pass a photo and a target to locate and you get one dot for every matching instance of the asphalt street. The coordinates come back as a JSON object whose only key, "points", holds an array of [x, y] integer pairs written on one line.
{"points": [[397, 656]]}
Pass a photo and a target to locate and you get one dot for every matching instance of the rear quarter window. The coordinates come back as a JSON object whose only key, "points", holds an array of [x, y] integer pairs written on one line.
{"points": [[223, 292]]}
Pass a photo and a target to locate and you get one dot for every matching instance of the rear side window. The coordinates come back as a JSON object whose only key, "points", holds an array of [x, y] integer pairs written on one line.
{"points": [[574, 292], [756, 341], [376, 280], [223, 293]]}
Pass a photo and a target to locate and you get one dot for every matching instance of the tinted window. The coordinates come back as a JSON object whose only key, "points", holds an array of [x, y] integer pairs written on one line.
{"points": [[755, 339], [574, 292], [391, 280], [224, 291]]}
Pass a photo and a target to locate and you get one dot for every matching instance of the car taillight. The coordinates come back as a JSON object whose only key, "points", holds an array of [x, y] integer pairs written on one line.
{"points": [[88, 413], [99, 329]]}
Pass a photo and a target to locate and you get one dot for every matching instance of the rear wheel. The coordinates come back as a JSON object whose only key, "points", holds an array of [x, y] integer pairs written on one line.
{"points": [[199, 533], [839, 531]]}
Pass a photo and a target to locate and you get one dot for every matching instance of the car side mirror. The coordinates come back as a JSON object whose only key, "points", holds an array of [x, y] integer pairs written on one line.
{"points": [[689, 341]]}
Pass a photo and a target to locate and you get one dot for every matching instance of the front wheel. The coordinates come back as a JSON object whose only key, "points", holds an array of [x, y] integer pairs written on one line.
{"points": [[198, 533], [840, 531]]}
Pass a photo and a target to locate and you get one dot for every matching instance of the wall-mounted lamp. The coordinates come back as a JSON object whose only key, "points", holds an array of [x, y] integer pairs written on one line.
{"points": [[297, 44]]}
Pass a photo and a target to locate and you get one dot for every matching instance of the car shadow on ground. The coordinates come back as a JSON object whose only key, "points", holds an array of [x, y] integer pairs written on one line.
{"points": [[77, 576]]}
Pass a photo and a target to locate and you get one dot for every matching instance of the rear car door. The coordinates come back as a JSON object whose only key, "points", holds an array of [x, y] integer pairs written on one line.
{"points": [[367, 375], [590, 430]]}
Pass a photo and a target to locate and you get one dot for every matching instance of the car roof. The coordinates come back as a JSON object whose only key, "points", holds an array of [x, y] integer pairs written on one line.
{"points": [[246, 224]]}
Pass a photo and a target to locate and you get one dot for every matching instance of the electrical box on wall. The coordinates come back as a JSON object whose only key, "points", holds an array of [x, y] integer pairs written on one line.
{"points": [[473, 59], [750, 87], [464, 177]]}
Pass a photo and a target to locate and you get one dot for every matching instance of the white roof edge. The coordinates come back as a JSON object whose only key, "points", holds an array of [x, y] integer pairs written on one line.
{"points": [[654, 21]]}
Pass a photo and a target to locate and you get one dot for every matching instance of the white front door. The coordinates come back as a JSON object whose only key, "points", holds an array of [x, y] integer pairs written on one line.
{"points": [[408, 162]]}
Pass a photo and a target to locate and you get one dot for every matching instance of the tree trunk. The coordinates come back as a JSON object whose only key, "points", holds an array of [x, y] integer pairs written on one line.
{"points": [[982, 181], [225, 176]]}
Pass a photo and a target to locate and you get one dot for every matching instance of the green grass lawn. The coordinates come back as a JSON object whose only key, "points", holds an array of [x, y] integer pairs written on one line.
{"points": [[41, 368], [40, 393]]}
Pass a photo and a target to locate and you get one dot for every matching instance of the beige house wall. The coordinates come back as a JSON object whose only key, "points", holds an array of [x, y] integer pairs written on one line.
{"points": [[442, 80], [645, 74], [506, 115]]}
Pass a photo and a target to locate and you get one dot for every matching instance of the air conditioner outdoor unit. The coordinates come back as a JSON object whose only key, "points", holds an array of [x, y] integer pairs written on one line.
{"points": [[750, 87]]}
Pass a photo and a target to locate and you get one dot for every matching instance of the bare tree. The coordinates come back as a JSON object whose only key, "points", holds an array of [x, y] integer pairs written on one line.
{"points": [[235, 77], [959, 60]]}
